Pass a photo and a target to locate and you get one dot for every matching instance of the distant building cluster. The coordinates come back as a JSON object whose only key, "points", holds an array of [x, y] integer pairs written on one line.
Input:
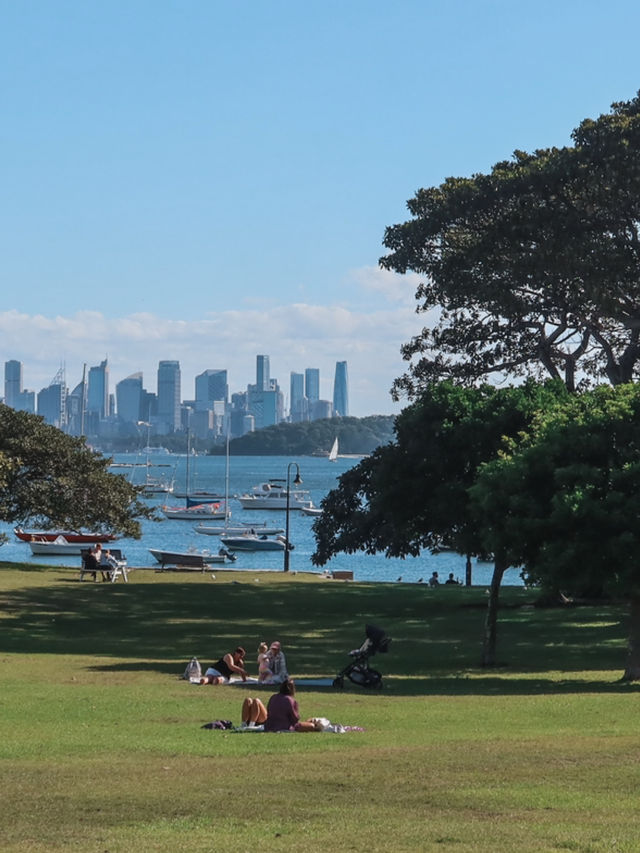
{"points": [[91, 409]]}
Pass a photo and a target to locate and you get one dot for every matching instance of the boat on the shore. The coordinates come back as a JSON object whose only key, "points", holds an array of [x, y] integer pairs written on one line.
{"points": [[255, 542], [192, 558], [69, 535], [273, 495]]}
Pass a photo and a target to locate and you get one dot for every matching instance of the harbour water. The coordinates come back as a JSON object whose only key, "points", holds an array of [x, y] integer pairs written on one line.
{"points": [[208, 473]]}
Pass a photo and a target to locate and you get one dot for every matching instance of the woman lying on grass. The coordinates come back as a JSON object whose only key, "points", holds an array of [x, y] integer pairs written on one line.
{"points": [[281, 714]]}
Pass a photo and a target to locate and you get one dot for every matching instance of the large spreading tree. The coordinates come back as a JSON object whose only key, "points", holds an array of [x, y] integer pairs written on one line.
{"points": [[55, 480], [564, 502], [534, 267], [413, 493]]}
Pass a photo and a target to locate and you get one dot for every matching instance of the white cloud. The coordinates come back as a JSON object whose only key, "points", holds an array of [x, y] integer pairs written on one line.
{"points": [[294, 336]]}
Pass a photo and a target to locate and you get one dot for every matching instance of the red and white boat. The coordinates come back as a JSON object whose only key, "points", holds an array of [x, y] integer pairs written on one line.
{"points": [[70, 536]]}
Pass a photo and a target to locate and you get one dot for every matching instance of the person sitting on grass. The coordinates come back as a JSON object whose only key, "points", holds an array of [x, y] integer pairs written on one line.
{"points": [[277, 663], [283, 714], [223, 669]]}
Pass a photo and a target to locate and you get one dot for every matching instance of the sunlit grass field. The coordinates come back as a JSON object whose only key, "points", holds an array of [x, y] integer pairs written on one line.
{"points": [[102, 747]]}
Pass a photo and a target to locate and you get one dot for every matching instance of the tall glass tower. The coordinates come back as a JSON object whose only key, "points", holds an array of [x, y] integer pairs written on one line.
{"points": [[297, 400], [263, 375], [12, 383], [98, 390], [341, 391], [312, 384], [169, 395]]}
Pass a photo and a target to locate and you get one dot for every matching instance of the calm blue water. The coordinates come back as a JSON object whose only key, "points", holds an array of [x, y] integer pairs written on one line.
{"points": [[208, 472]]}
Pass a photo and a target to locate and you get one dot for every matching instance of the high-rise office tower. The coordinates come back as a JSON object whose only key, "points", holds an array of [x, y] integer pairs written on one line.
{"points": [[129, 398], [341, 391], [297, 401], [168, 416], [98, 390], [211, 386], [263, 375], [12, 383], [52, 401], [312, 385]]}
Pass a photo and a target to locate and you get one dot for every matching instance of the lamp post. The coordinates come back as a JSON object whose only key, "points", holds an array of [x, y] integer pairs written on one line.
{"points": [[296, 482]]}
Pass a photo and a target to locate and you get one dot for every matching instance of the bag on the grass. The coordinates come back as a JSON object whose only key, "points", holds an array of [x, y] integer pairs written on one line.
{"points": [[218, 724], [193, 670]]}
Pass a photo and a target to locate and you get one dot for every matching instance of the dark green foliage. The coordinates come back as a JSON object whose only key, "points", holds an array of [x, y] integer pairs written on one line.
{"points": [[565, 503], [413, 492], [55, 480], [355, 435], [536, 266]]}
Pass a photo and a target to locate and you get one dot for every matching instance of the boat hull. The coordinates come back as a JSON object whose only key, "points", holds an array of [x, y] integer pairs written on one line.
{"points": [[252, 543], [188, 558], [237, 530], [52, 535]]}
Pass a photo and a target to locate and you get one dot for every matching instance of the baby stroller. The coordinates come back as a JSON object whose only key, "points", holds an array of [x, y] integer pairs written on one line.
{"points": [[358, 670]]}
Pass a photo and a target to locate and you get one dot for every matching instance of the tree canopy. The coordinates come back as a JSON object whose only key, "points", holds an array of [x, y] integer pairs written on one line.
{"points": [[412, 493], [55, 480], [535, 267], [564, 503]]}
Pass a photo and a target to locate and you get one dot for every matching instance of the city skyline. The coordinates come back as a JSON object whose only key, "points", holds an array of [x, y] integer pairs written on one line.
{"points": [[233, 199], [97, 408]]}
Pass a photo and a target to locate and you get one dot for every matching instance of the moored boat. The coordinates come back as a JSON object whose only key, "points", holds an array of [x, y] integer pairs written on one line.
{"points": [[57, 548], [69, 535], [273, 495], [311, 510], [212, 512], [253, 542], [262, 529]]}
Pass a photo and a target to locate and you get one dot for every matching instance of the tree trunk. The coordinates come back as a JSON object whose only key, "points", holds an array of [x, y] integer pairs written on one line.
{"points": [[491, 624], [632, 671], [467, 571]]}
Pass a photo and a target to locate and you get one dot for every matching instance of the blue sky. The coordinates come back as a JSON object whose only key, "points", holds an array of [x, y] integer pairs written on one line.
{"points": [[208, 181]]}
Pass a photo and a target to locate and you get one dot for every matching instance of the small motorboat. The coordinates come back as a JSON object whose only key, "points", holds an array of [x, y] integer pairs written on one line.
{"points": [[59, 547], [255, 542], [192, 558], [69, 535], [311, 510], [262, 529], [273, 495]]}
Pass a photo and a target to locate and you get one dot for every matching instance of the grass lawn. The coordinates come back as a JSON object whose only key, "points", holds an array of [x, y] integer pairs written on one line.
{"points": [[102, 747]]}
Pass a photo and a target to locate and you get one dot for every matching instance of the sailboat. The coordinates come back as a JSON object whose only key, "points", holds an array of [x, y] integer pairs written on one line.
{"points": [[333, 453], [197, 508]]}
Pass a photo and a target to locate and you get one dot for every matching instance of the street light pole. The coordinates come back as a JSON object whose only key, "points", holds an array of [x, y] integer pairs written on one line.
{"points": [[296, 482]]}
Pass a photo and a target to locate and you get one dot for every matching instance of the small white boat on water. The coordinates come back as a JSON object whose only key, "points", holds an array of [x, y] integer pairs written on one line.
{"points": [[253, 542], [273, 495], [333, 453], [262, 529], [60, 546], [311, 510], [211, 512]]}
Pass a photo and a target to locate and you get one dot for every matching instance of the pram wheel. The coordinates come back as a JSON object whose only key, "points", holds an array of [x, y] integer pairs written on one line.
{"points": [[338, 682]]}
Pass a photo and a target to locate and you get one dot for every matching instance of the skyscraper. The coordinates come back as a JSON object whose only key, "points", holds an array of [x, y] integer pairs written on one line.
{"points": [[12, 383], [341, 391], [312, 384], [129, 398], [98, 390], [263, 376], [168, 417], [211, 386], [297, 401]]}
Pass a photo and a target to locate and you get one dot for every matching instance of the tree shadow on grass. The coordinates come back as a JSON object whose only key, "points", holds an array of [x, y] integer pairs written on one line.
{"points": [[436, 634]]}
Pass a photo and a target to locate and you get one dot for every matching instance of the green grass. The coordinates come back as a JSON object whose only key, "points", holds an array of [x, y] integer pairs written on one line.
{"points": [[102, 747]]}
